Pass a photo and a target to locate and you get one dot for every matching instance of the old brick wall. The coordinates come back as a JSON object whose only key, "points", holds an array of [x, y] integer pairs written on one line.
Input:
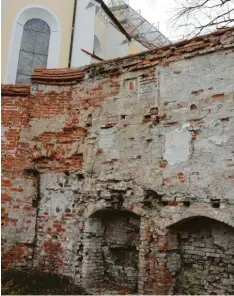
{"points": [[110, 251], [150, 134], [19, 186], [206, 254]]}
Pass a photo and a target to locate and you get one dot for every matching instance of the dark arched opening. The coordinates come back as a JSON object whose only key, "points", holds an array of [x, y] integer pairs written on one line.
{"points": [[202, 256], [110, 252]]}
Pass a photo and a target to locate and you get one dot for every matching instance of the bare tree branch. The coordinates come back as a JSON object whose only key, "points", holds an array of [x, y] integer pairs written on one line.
{"points": [[203, 16]]}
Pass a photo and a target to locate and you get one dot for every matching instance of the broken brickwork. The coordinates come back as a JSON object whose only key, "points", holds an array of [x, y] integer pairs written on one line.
{"points": [[111, 243], [106, 167], [204, 251]]}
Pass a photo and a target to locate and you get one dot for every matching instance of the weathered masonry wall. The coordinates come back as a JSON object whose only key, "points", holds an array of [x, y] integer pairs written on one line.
{"points": [[206, 254], [111, 241], [19, 189], [121, 174]]}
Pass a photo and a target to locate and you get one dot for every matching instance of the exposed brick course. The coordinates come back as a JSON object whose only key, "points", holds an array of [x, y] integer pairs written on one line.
{"points": [[147, 139], [15, 90], [57, 77], [206, 257]]}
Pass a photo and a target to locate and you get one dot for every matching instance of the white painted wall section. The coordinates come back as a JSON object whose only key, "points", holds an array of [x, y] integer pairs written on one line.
{"points": [[177, 146], [83, 32], [116, 47]]}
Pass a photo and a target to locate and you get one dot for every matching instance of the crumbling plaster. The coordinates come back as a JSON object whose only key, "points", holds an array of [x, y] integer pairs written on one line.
{"points": [[135, 135]]}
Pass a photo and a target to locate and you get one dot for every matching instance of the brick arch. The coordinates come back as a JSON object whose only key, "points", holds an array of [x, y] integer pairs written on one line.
{"points": [[102, 206], [199, 246], [214, 215]]}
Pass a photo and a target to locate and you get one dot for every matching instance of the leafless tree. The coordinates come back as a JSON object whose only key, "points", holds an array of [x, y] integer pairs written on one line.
{"points": [[202, 16]]}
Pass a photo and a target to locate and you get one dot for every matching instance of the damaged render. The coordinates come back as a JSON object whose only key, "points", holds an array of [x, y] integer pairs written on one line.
{"points": [[121, 174]]}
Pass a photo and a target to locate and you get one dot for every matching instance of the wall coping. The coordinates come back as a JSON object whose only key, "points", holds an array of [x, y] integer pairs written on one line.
{"points": [[15, 90], [217, 41], [214, 42], [64, 76], [201, 45]]}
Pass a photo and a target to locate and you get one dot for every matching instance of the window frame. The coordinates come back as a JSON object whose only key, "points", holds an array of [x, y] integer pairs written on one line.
{"points": [[29, 48], [27, 13]]}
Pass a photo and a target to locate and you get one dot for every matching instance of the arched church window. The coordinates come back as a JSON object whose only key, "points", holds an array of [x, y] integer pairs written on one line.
{"points": [[42, 46], [33, 49]]}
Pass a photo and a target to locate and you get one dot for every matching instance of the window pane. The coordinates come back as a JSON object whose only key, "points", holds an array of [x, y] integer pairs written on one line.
{"points": [[22, 79], [39, 61], [28, 41], [25, 64], [42, 43], [34, 49], [37, 25]]}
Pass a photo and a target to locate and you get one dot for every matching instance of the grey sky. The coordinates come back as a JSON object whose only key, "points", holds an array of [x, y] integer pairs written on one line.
{"points": [[158, 11], [162, 11]]}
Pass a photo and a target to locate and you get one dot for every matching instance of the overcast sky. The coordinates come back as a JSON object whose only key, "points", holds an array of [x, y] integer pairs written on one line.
{"points": [[161, 11], [158, 11]]}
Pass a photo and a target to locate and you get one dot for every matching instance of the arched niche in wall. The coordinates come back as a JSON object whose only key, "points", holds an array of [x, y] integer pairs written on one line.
{"points": [[26, 14], [97, 48], [201, 253], [110, 251]]}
